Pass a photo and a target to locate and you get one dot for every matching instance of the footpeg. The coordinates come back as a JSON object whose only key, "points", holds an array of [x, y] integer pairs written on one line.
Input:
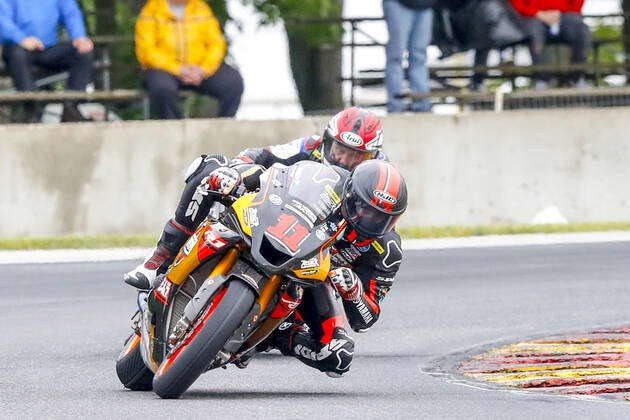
{"points": [[139, 281]]}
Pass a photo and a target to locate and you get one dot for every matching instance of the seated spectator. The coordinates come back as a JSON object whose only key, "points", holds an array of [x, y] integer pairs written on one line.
{"points": [[481, 25], [180, 46], [559, 20], [409, 25], [29, 35]]}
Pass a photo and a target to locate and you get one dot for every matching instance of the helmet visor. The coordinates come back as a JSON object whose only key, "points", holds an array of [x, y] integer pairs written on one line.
{"points": [[368, 221], [345, 157]]}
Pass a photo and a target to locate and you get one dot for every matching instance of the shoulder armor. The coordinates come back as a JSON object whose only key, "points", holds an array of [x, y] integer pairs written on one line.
{"points": [[389, 251]]}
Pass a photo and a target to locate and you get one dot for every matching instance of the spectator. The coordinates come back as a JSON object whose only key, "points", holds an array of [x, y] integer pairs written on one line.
{"points": [[409, 23], [476, 24], [561, 20], [29, 32], [180, 46]]}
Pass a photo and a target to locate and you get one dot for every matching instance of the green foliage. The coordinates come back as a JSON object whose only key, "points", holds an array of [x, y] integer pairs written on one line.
{"points": [[292, 11], [219, 8], [610, 53], [76, 242]]}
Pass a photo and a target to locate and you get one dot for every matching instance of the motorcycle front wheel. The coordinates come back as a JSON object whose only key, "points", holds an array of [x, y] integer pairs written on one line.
{"points": [[130, 367], [220, 319]]}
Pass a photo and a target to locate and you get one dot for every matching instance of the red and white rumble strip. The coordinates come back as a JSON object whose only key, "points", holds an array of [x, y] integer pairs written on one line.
{"points": [[120, 254]]}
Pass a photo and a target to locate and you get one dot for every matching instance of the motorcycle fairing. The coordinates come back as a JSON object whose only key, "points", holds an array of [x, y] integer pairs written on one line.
{"points": [[216, 239], [290, 218]]}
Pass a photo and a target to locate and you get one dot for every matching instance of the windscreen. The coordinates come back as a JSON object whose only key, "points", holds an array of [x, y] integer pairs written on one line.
{"points": [[298, 212]]}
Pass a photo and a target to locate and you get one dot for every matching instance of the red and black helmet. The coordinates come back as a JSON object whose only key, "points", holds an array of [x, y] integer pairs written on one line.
{"points": [[352, 136], [375, 196]]}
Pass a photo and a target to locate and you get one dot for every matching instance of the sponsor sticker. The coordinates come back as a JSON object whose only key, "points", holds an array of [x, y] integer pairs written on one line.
{"points": [[253, 216], [312, 263], [327, 202], [246, 217], [285, 325], [275, 199], [352, 139], [364, 249], [190, 244], [305, 210], [332, 194], [290, 304], [214, 240], [299, 213], [378, 247], [308, 272], [165, 288], [350, 254], [321, 234], [384, 196]]}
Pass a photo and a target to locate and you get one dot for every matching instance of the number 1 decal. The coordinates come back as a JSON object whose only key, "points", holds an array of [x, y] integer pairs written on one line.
{"points": [[289, 232]]}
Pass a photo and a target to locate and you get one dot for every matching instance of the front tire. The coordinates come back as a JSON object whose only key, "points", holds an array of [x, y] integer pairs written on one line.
{"points": [[182, 368], [130, 367]]}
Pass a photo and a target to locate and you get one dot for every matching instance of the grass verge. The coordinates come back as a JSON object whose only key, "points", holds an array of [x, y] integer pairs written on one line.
{"points": [[67, 242], [125, 241], [460, 231]]}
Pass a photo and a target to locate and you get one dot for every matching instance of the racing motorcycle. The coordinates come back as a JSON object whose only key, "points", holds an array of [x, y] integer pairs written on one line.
{"points": [[222, 296]]}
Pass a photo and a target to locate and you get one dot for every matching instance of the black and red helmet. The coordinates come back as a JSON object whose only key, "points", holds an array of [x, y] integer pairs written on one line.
{"points": [[352, 136], [375, 196]]}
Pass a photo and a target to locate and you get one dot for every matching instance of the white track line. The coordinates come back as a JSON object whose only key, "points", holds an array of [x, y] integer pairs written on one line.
{"points": [[122, 254], [71, 255]]}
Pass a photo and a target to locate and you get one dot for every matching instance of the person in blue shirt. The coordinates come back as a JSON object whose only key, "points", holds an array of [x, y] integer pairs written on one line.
{"points": [[29, 32]]}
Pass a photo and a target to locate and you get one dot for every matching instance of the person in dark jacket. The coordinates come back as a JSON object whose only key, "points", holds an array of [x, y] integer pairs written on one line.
{"points": [[560, 20], [480, 25], [409, 23], [29, 31]]}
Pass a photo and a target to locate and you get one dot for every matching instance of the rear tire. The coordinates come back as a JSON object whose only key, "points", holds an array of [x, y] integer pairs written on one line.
{"points": [[193, 359], [130, 367]]}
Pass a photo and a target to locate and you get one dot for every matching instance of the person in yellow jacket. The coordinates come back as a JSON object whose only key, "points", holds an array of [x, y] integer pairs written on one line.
{"points": [[180, 46]]}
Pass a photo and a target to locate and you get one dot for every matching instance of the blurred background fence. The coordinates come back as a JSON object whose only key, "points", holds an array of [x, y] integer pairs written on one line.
{"points": [[326, 51]]}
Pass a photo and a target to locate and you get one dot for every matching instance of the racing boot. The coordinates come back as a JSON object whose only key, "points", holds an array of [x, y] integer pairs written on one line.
{"points": [[173, 237]]}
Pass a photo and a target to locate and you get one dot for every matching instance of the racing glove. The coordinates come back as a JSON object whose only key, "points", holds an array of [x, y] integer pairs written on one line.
{"points": [[222, 180], [347, 283]]}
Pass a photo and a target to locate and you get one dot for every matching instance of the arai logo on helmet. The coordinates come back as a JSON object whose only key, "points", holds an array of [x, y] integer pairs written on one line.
{"points": [[351, 138], [384, 196]]}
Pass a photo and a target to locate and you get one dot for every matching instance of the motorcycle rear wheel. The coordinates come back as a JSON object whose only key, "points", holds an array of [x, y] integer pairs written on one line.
{"points": [[178, 372], [130, 368]]}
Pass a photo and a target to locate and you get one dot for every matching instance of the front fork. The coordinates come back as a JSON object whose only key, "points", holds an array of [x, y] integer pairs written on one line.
{"points": [[155, 306], [283, 308]]}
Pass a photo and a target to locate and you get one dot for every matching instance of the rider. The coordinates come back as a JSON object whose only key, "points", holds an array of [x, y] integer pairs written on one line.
{"points": [[367, 258], [351, 137]]}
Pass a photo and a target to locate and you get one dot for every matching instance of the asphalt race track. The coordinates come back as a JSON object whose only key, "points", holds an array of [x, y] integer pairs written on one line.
{"points": [[62, 325]]}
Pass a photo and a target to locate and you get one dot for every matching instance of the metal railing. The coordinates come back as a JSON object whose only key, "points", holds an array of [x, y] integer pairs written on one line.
{"points": [[500, 100], [373, 77]]}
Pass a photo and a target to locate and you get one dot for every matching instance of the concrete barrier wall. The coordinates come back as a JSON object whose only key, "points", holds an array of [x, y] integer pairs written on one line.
{"points": [[481, 168]]}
